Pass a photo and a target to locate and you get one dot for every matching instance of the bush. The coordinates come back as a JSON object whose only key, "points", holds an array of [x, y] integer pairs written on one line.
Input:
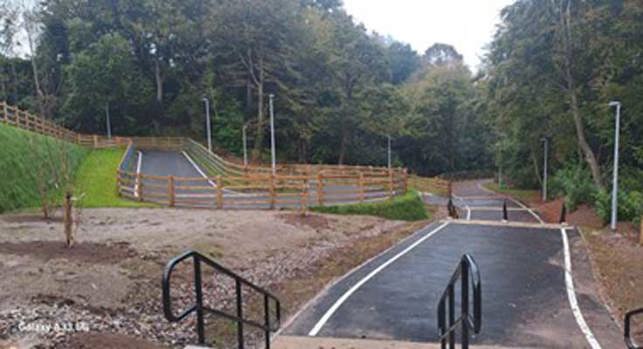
{"points": [[408, 207], [630, 205], [575, 184]]}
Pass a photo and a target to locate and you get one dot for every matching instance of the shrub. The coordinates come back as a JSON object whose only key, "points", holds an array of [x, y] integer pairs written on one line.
{"points": [[630, 205], [408, 207], [575, 184]]}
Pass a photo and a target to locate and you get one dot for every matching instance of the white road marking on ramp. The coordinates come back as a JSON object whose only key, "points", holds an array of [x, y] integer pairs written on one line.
{"points": [[571, 295], [516, 202], [322, 321], [196, 167], [139, 164]]}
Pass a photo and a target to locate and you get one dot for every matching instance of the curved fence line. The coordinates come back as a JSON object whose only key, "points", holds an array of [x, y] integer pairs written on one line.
{"points": [[231, 186]]}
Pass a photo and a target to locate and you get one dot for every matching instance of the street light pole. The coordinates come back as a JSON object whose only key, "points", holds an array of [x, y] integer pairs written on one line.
{"points": [[109, 123], [389, 152], [272, 133], [615, 180], [245, 145], [207, 123], [545, 169]]}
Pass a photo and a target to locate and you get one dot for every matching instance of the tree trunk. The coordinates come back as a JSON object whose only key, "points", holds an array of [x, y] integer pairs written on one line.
{"points": [[342, 146], [588, 153], [68, 220], [260, 115], [159, 81]]}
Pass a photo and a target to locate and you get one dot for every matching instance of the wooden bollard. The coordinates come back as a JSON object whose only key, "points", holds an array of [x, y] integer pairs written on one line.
{"points": [[171, 191], [320, 189], [361, 186], [219, 189], [272, 192]]}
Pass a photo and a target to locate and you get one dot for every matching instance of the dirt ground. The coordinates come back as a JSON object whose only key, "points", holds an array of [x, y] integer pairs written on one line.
{"points": [[105, 291]]}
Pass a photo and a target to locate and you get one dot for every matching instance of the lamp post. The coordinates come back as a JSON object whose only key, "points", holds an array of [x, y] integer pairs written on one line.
{"points": [[207, 123], [109, 123], [545, 141], [617, 127], [272, 133], [245, 144]]}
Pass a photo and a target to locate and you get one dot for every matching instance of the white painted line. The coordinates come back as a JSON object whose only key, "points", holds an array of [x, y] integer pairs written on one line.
{"points": [[465, 206], [322, 321], [528, 209], [515, 201], [571, 295], [139, 164], [198, 169]]}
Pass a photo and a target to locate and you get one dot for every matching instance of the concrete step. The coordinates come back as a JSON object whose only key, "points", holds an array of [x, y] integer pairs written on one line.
{"points": [[294, 342]]}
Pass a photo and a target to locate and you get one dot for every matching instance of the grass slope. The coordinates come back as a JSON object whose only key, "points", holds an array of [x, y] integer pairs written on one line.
{"points": [[25, 159], [96, 180], [524, 195], [408, 207]]}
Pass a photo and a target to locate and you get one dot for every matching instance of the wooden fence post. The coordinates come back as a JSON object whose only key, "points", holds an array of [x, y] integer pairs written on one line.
{"points": [[5, 112], [406, 180], [272, 191], [219, 188], [139, 187], [171, 191], [95, 141], [360, 184], [390, 183], [320, 188], [304, 197]]}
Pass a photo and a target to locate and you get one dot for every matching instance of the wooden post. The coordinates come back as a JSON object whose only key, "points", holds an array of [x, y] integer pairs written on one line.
{"points": [[68, 220], [138, 188], [390, 183], [171, 192], [304, 197], [219, 189], [320, 188], [5, 112], [641, 232], [272, 191], [360, 184], [406, 180], [95, 141]]}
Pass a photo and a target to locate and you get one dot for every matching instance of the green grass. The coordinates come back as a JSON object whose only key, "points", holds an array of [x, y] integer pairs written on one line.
{"points": [[96, 180], [29, 161], [408, 207], [524, 195]]}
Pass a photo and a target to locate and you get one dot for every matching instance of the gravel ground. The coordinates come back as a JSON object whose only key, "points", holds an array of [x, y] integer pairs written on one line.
{"points": [[105, 291]]}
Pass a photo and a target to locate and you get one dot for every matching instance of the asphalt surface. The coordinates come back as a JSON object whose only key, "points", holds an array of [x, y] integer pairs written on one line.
{"points": [[525, 298]]}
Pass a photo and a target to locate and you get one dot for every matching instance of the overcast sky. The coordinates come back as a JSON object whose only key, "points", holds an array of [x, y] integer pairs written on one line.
{"points": [[466, 24]]}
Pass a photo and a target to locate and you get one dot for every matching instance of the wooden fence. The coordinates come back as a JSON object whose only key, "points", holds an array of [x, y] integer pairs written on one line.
{"points": [[16, 117], [231, 185], [433, 185]]}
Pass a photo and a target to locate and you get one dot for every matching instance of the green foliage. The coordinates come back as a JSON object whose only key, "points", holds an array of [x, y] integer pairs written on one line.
{"points": [[34, 168], [575, 184], [630, 205], [95, 181], [552, 68], [408, 207]]}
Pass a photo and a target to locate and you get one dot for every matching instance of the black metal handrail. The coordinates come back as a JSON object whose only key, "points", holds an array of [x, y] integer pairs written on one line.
{"points": [[467, 270], [627, 328], [267, 326]]}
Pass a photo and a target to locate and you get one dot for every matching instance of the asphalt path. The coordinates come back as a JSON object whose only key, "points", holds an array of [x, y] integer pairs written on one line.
{"points": [[527, 287]]}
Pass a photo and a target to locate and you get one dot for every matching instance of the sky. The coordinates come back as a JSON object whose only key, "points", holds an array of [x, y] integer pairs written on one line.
{"points": [[468, 25]]}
